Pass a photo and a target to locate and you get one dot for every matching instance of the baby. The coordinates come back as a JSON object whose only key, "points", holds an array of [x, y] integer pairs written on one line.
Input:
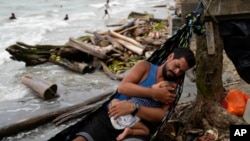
{"points": [[131, 123]]}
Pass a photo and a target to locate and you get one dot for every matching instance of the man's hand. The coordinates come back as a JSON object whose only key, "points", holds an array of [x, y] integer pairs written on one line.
{"points": [[118, 108], [166, 95], [161, 84]]}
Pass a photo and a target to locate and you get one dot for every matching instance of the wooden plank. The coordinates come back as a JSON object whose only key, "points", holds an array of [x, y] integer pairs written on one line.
{"points": [[228, 7], [219, 9], [210, 38]]}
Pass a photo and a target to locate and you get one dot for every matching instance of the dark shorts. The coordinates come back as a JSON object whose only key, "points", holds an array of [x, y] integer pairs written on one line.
{"points": [[99, 128], [106, 11]]}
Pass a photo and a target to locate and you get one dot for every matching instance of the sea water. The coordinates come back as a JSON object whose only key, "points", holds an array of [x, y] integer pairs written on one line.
{"points": [[41, 22]]}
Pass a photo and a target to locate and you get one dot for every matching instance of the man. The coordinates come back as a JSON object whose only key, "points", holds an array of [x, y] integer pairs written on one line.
{"points": [[66, 17], [138, 83], [13, 16], [106, 6]]}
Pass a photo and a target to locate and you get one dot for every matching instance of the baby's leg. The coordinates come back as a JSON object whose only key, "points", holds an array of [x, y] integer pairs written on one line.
{"points": [[127, 131], [138, 129]]}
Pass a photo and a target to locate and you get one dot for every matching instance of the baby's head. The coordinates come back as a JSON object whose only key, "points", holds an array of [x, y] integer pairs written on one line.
{"points": [[161, 84]]}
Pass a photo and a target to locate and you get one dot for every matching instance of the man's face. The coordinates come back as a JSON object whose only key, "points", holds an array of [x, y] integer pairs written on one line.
{"points": [[173, 68]]}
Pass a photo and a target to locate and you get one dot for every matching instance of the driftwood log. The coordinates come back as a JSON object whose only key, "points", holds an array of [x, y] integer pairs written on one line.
{"points": [[88, 48], [33, 122], [80, 67], [45, 89]]}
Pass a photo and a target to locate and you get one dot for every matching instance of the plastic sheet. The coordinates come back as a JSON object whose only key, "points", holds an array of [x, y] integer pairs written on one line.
{"points": [[236, 37], [236, 102]]}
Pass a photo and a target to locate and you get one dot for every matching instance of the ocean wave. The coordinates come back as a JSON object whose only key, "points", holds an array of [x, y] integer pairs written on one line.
{"points": [[4, 57]]}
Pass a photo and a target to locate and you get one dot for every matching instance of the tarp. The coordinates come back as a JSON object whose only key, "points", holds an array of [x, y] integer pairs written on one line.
{"points": [[236, 37]]}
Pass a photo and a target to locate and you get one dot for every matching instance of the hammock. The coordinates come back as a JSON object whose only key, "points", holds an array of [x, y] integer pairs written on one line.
{"points": [[180, 39]]}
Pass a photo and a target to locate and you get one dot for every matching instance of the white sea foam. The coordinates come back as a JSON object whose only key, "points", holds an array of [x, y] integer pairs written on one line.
{"points": [[4, 56], [98, 5], [12, 93]]}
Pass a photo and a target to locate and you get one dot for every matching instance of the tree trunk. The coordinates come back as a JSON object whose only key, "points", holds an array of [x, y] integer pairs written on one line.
{"points": [[208, 72], [206, 114]]}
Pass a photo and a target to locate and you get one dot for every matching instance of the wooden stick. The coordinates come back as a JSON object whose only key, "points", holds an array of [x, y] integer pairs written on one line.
{"points": [[127, 29], [130, 46], [232, 83], [109, 73], [128, 25], [90, 49], [132, 41], [114, 42], [80, 112], [98, 36], [40, 46]]}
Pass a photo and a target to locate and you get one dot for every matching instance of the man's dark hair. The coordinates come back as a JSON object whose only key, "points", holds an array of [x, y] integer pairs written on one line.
{"points": [[186, 53]]}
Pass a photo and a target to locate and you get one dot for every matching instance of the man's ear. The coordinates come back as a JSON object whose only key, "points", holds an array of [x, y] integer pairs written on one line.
{"points": [[170, 56]]}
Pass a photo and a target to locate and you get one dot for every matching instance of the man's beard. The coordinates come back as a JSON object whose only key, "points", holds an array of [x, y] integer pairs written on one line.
{"points": [[166, 77]]}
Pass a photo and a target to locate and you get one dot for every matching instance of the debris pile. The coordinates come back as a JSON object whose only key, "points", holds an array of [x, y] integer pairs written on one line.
{"points": [[113, 51]]}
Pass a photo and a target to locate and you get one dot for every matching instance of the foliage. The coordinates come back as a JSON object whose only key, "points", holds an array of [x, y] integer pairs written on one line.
{"points": [[158, 26], [120, 66]]}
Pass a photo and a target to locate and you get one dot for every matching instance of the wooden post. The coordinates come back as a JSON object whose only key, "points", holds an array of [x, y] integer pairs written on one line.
{"points": [[210, 38], [45, 89]]}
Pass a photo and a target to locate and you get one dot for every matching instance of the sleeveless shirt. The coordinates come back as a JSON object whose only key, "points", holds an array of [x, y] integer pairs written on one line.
{"points": [[147, 82]]}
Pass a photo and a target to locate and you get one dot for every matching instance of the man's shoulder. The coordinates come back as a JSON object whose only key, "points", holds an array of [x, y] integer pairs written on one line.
{"points": [[144, 62], [141, 67]]}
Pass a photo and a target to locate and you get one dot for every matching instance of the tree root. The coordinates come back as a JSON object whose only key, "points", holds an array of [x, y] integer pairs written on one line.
{"points": [[208, 121]]}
